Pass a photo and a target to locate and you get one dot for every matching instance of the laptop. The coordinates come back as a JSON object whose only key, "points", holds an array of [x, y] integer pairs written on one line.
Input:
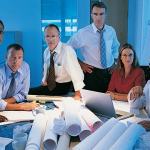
{"points": [[101, 104]]}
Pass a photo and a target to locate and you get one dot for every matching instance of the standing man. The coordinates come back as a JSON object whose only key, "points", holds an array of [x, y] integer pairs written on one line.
{"points": [[15, 81], [97, 47], [60, 67]]}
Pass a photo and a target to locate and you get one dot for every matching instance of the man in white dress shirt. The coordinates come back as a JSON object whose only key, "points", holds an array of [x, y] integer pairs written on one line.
{"points": [[66, 66]]}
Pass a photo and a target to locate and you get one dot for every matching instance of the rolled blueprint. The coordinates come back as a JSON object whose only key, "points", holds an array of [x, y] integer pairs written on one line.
{"points": [[50, 137], [90, 118], [128, 138], [111, 137], [71, 114], [63, 142], [37, 132], [85, 130], [89, 142]]}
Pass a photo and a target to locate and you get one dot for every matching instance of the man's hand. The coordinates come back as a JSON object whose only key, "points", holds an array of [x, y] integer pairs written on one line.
{"points": [[29, 106], [3, 118], [136, 92], [44, 83], [85, 67], [77, 95]]}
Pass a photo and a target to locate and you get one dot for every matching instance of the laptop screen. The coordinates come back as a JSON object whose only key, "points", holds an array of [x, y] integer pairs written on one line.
{"points": [[99, 103]]}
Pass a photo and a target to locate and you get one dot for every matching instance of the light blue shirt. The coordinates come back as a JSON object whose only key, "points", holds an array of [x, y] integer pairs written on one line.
{"points": [[86, 42], [22, 79]]}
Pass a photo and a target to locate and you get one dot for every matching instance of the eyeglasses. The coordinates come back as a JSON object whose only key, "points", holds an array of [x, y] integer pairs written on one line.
{"points": [[125, 55]]}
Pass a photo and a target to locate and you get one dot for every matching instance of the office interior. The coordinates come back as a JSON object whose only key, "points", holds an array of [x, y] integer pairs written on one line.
{"points": [[24, 22]]}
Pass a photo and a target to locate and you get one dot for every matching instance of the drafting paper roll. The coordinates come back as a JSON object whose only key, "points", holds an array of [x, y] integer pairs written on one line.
{"points": [[50, 138], [110, 138], [89, 142], [90, 118], [71, 114], [37, 132], [63, 143], [128, 138], [85, 130]]}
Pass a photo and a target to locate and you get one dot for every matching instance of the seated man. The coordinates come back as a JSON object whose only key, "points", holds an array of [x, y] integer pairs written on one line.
{"points": [[14, 81], [60, 67], [137, 101]]}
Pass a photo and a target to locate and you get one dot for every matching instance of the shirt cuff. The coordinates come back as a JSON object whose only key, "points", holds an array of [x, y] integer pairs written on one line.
{"points": [[2, 104], [78, 86], [19, 98]]}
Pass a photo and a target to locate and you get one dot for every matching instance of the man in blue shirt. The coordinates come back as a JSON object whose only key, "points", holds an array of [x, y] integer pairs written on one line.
{"points": [[15, 81], [97, 49]]}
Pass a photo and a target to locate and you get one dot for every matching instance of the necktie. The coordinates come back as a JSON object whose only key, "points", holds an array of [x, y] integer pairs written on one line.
{"points": [[102, 50], [12, 86], [51, 74]]}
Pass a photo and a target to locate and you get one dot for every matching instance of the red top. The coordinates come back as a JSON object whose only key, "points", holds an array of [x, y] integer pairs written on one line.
{"points": [[120, 84]]}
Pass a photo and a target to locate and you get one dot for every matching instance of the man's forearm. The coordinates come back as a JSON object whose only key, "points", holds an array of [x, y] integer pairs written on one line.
{"points": [[11, 100]]}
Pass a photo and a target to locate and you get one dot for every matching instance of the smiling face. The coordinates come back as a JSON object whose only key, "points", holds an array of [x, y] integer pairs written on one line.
{"points": [[98, 15], [14, 59], [127, 57], [52, 37]]}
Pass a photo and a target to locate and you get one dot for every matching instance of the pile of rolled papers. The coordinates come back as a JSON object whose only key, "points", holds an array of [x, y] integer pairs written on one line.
{"points": [[76, 120], [52, 130], [112, 135]]}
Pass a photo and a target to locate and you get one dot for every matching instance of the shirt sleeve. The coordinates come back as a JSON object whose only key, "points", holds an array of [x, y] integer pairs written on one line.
{"points": [[115, 45], [73, 68], [21, 95], [140, 78], [76, 41], [45, 66], [2, 104]]}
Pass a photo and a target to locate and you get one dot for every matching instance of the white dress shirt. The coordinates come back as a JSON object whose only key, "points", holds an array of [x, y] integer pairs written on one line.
{"points": [[87, 44], [66, 65]]}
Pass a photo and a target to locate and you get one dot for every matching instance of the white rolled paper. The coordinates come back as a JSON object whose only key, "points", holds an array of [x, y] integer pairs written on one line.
{"points": [[89, 142], [50, 138], [90, 118], [71, 114], [128, 138], [85, 130], [37, 132], [110, 138], [63, 142]]}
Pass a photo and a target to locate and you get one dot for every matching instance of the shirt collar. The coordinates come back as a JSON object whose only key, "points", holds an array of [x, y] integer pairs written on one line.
{"points": [[9, 71], [95, 28], [58, 48]]}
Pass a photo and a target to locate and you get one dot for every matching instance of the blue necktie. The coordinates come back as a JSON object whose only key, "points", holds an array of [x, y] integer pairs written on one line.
{"points": [[12, 86], [102, 49]]}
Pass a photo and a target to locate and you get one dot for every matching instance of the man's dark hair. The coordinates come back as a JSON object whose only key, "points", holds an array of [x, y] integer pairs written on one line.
{"points": [[15, 46], [52, 25], [1, 22], [99, 5]]}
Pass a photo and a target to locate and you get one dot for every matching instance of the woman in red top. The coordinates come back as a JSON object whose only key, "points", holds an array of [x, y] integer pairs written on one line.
{"points": [[126, 76]]}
